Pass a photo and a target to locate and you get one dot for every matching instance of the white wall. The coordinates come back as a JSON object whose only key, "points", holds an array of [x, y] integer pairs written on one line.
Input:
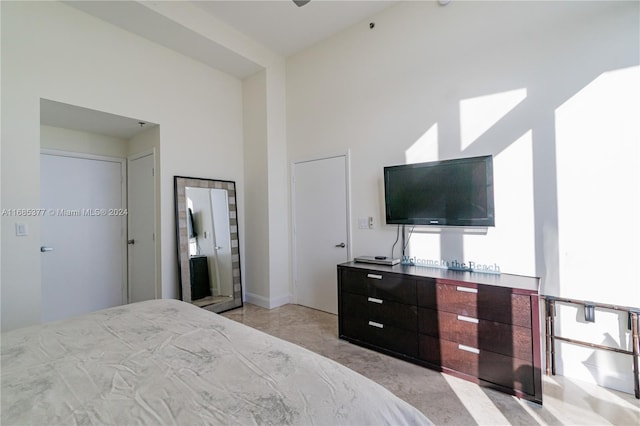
{"points": [[278, 184], [145, 141], [256, 280], [55, 52], [77, 141], [549, 88], [598, 186], [266, 262], [268, 278]]}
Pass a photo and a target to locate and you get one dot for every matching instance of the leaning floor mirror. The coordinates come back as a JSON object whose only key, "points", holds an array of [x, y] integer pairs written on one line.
{"points": [[208, 243]]}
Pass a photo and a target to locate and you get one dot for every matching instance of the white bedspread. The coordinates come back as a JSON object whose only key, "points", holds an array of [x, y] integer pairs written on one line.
{"points": [[168, 362]]}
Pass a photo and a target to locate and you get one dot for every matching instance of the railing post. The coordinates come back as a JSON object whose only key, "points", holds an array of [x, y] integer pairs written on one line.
{"points": [[549, 331], [552, 306], [636, 353]]}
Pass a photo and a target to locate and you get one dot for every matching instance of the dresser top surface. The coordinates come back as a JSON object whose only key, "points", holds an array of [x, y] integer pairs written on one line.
{"points": [[501, 280]]}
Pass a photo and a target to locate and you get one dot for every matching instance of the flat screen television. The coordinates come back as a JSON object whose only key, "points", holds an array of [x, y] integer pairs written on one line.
{"points": [[191, 225], [456, 192]]}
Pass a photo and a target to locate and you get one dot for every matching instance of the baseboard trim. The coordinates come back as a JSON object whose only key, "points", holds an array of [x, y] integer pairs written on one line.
{"points": [[265, 302]]}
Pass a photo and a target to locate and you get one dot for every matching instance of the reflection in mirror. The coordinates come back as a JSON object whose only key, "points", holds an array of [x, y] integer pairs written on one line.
{"points": [[208, 249]]}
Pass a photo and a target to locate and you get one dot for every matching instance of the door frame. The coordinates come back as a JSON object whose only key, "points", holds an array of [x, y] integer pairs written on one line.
{"points": [[347, 164], [123, 201], [132, 157]]}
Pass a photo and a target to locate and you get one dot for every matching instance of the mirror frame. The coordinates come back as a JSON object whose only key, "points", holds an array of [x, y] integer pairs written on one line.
{"points": [[182, 238]]}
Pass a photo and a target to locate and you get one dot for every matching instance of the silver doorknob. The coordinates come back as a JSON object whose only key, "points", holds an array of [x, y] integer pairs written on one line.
{"points": [[44, 249], [341, 245]]}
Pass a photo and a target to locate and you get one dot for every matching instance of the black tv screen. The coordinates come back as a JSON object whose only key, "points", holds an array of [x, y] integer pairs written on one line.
{"points": [[191, 225], [455, 192]]}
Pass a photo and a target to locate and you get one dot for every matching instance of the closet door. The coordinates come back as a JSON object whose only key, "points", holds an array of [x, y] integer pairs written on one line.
{"points": [[141, 228], [320, 230], [83, 253]]}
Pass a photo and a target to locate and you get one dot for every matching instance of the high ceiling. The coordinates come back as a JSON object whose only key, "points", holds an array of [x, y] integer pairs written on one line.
{"points": [[279, 25], [286, 28]]}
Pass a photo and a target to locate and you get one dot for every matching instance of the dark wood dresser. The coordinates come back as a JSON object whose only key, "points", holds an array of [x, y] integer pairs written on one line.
{"points": [[199, 274], [481, 327]]}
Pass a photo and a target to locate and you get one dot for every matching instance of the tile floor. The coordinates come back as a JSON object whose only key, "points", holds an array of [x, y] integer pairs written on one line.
{"points": [[446, 400]]}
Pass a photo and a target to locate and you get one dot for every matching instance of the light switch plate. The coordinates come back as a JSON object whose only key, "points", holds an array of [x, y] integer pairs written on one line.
{"points": [[22, 230], [363, 223]]}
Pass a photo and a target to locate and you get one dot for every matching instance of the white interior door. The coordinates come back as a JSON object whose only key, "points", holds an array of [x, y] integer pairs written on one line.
{"points": [[141, 228], [222, 238], [320, 230], [83, 227]]}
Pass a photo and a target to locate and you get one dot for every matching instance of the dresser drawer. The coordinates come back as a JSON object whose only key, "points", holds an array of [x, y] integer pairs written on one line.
{"points": [[506, 339], [478, 301], [382, 335], [379, 285], [481, 329], [496, 368], [382, 311]]}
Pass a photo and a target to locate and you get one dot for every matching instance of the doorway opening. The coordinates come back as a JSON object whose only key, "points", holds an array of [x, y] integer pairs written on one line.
{"points": [[92, 139]]}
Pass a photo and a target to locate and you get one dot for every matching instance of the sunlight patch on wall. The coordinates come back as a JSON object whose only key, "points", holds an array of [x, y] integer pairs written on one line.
{"points": [[477, 115], [425, 148], [512, 241], [597, 149], [424, 244]]}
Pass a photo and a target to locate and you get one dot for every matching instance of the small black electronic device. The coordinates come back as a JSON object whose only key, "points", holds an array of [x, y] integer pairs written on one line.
{"points": [[379, 260]]}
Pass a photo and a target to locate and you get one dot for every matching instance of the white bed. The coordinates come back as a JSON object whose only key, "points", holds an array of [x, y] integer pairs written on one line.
{"points": [[168, 362]]}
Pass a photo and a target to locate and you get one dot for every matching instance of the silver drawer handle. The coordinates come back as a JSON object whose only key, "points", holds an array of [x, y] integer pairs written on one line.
{"points": [[467, 319], [469, 349], [377, 277], [374, 300], [467, 289], [376, 324]]}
